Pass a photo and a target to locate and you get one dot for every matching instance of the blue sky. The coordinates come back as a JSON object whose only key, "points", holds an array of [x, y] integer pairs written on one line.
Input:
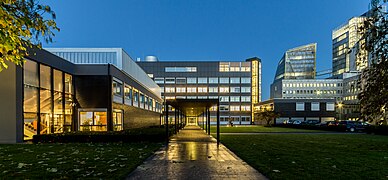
{"points": [[226, 30]]}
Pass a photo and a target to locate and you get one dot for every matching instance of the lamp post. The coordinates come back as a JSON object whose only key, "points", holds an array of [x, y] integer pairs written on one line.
{"points": [[340, 105]]}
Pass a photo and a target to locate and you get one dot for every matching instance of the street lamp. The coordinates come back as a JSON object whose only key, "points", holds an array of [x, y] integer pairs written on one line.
{"points": [[340, 105]]}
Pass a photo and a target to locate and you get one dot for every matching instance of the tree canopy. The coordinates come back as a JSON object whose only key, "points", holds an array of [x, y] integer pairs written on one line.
{"points": [[374, 79], [23, 24]]}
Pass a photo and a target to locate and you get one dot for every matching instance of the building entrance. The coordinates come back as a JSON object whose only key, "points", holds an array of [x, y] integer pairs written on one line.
{"points": [[192, 121]]}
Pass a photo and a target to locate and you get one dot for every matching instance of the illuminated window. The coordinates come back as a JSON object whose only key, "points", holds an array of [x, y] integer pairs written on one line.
{"points": [[234, 108], [213, 80], [191, 97], [127, 95], [330, 106], [235, 80], [245, 80], [315, 106], [245, 89], [180, 69], [169, 89], [117, 88], [191, 89], [213, 89], [224, 89], [245, 108], [224, 98], [202, 97], [180, 80], [235, 69], [202, 80], [235, 89], [224, 67], [234, 98], [224, 80], [213, 97], [159, 80], [181, 89], [245, 98], [191, 80], [170, 97], [202, 89], [170, 81], [300, 106], [224, 108]]}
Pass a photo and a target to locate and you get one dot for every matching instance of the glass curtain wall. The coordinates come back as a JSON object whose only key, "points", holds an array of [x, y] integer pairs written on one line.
{"points": [[48, 97]]}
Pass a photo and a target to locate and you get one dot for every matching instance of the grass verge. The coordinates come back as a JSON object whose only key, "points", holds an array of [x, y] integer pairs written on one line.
{"points": [[72, 160], [258, 129], [313, 156]]}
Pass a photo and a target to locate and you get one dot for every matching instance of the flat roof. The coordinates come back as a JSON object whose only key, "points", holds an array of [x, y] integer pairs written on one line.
{"points": [[192, 107]]}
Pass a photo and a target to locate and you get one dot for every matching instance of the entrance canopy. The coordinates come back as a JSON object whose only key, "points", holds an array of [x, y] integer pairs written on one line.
{"points": [[192, 107]]}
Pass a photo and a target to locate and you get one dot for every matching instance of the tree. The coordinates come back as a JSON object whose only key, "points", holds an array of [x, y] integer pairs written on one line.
{"points": [[267, 116], [23, 25], [374, 79]]}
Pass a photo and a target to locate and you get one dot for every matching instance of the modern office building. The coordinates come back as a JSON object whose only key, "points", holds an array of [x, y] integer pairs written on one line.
{"points": [[236, 84], [297, 63], [347, 54], [321, 110], [53, 95], [307, 89]]}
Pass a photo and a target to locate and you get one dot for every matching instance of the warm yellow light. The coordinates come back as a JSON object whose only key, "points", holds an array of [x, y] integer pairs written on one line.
{"points": [[340, 105]]}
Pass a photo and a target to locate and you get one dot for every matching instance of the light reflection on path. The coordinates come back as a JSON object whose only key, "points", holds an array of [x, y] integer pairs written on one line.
{"points": [[192, 154]]}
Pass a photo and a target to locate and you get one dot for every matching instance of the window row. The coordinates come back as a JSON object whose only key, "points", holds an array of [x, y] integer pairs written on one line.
{"points": [[180, 69], [235, 108], [318, 92], [206, 89], [315, 106], [128, 95], [235, 67], [203, 80], [221, 98], [312, 85]]}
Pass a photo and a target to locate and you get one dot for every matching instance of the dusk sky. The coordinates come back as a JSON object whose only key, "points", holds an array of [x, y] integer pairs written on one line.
{"points": [[226, 30]]}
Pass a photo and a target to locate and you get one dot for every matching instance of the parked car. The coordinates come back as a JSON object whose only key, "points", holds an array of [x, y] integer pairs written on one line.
{"points": [[297, 122], [351, 126], [332, 123], [311, 122], [288, 122]]}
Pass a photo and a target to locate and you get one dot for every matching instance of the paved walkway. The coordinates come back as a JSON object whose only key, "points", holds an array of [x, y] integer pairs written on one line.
{"points": [[192, 154]]}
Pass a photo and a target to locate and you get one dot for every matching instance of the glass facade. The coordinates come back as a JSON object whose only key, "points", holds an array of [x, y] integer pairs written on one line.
{"points": [[47, 103], [298, 63]]}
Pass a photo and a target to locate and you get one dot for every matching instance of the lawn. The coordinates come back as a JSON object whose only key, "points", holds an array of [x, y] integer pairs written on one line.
{"points": [[313, 156], [257, 129], [71, 161]]}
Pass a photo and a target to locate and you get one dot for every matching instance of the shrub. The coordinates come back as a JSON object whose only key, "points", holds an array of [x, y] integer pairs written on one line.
{"points": [[150, 134]]}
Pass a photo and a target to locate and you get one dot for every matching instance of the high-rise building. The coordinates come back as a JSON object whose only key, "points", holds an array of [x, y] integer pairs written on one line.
{"points": [[297, 63], [236, 84], [347, 54]]}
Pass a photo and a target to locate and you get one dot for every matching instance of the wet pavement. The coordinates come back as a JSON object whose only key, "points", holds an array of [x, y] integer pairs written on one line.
{"points": [[192, 154]]}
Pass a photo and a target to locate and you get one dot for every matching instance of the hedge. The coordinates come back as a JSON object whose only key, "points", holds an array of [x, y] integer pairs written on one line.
{"points": [[150, 134]]}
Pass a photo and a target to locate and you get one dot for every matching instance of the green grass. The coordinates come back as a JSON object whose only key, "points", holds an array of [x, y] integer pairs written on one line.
{"points": [[70, 161], [257, 129], [313, 156]]}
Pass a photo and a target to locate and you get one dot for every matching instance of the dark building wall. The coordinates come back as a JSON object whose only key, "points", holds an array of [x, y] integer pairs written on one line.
{"points": [[92, 91], [136, 118], [287, 108]]}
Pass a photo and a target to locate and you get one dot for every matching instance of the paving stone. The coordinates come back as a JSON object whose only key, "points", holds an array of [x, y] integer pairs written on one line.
{"points": [[192, 154]]}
